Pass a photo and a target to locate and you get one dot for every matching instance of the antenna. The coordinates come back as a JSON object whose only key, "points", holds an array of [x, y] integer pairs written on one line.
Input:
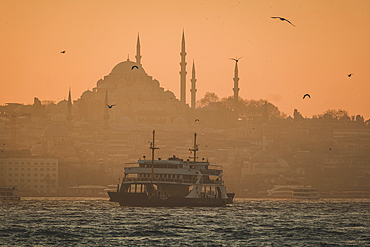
{"points": [[195, 148], [152, 147]]}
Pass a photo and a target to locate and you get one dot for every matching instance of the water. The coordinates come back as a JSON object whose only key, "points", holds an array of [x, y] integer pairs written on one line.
{"points": [[249, 222]]}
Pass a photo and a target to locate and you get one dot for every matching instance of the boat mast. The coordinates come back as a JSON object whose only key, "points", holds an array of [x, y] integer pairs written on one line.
{"points": [[152, 147], [195, 149]]}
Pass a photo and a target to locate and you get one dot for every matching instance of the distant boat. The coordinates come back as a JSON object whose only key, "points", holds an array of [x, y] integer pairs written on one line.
{"points": [[306, 192], [112, 188], [292, 189], [9, 193]]}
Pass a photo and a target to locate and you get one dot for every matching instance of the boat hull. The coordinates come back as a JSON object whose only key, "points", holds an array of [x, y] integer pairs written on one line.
{"points": [[143, 200]]}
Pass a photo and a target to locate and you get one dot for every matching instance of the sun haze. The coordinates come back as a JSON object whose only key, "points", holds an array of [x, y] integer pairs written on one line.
{"points": [[329, 41]]}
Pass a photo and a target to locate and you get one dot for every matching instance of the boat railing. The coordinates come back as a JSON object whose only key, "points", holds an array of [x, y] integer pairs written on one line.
{"points": [[209, 181], [211, 172], [131, 165], [173, 180], [215, 167]]}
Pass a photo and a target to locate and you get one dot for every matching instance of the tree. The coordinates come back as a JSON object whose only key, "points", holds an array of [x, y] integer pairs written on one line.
{"points": [[250, 109], [208, 98], [337, 114]]}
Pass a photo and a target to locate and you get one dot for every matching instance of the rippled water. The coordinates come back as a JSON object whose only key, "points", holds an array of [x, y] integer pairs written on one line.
{"points": [[250, 222]]}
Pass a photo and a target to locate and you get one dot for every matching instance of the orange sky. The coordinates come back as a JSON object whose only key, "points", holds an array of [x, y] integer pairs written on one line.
{"points": [[280, 62]]}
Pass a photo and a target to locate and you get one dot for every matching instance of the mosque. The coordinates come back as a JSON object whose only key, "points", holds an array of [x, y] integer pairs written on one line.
{"points": [[138, 98]]}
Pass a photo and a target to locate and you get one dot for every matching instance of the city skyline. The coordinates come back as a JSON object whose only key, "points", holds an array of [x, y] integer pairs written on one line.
{"points": [[280, 62]]}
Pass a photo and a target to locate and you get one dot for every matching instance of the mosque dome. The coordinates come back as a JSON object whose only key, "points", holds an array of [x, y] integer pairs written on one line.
{"points": [[283, 163], [18, 109], [63, 103], [87, 94], [55, 130], [38, 149], [66, 149], [51, 107], [170, 94], [126, 67], [108, 85], [263, 156], [179, 120], [59, 117], [119, 93], [99, 82], [125, 121]]}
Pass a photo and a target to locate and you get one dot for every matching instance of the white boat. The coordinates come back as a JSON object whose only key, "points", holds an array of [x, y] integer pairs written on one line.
{"points": [[111, 188], [9, 193], [306, 192], [283, 190], [292, 189]]}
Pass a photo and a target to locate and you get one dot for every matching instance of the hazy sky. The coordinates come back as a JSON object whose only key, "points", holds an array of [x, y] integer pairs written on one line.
{"points": [[280, 62]]}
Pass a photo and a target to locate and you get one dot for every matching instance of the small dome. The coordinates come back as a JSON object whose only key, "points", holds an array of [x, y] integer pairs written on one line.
{"points": [[59, 117], [55, 130], [263, 154], [170, 94], [38, 149], [51, 107], [87, 94], [119, 93], [144, 93], [263, 157], [127, 67], [63, 103], [18, 109], [125, 121], [108, 85], [283, 163], [179, 120], [66, 149]]}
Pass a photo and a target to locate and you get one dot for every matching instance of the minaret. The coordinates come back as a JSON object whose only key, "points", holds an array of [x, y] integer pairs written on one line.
{"points": [[236, 89], [106, 114], [193, 90], [138, 56], [183, 71], [69, 113]]}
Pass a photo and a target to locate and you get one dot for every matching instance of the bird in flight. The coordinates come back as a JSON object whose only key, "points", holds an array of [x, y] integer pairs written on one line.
{"points": [[134, 67], [236, 59], [63, 51], [110, 106], [196, 120], [306, 95], [282, 19], [350, 75]]}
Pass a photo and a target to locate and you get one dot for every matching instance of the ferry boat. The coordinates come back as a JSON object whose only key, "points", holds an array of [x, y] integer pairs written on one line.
{"points": [[172, 183], [306, 192], [283, 190], [9, 193], [292, 189]]}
